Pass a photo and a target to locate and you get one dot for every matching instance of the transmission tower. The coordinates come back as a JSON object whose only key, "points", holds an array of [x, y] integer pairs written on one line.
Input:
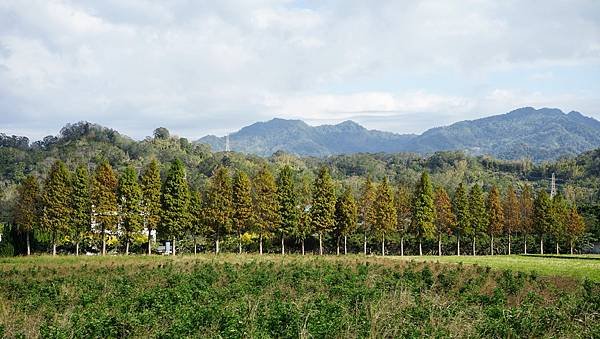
{"points": [[227, 143], [553, 187]]}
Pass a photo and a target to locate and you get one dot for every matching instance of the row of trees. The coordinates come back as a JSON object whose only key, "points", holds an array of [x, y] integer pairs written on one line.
{"points": [[75, 204]]}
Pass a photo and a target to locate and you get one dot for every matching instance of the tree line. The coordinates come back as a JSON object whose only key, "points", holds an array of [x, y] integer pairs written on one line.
{"points": [[71, 205]]}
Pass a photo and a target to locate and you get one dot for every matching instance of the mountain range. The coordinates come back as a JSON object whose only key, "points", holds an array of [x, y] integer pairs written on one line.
{"points": [[538, 134]]}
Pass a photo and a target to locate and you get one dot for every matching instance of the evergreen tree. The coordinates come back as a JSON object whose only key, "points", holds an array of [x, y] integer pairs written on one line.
{"points": [[26, 209], [345, 218], [266, 206], [526, 206], [218, 205], [445, 219], [477, 213], [512, 215], [175, 201], [56, 199], [286, 196], [385, 212], [542, 216], [495, 216], [130, 199], [242, 205], [104, 200], [196, 217], [560, 210], [304, 225], [403, 202], [367, 212], [323, 205], [151, 205], [461, 210], [575, 226], [82, 205], [423, 216]]}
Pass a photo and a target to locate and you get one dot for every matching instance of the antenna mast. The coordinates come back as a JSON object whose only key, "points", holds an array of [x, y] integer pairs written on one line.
{"points": [[553, 187]]}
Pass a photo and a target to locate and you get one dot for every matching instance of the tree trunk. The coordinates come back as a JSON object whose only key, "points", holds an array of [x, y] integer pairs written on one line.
{"points": [[542, 244], [77, 248], [239, 243], [127, 247], [195, 246], [439, 245], [474, 253], [217, 246], [458, 245], [383, 245], [492, 246], [302, 246], [420, 247], [320, 244], [174, 252], [282, 244], [260, 244], [53, 244], [525, 243], [149, 241], [402, 245], [365, 244], [509, 244], [345, 245], [338, 245], [557, 252], [103, 241], [571, 243], [28, 245]]}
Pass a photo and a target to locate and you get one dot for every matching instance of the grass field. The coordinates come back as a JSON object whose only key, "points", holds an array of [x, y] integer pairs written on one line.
{"points": [[293, 296]]}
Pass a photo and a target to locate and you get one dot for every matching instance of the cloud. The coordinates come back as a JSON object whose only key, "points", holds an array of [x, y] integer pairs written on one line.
{"points": [[201, 67]]}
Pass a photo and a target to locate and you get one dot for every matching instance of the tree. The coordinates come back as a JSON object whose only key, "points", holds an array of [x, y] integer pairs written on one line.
{"points": [[512, 214], [461, 210], [367, 214], [495, 216], [82, 205], [56, 210], [560, 211], [477, 213], [445, 220], [423, 216], [242, 205], [175, 201], [286, 197], [575, 226], [526, 206], [345, 218], [385, 212], [323, 205], [104, 200], [151, 205], [196, 217], [403, 202], [304, 225], [542, 216], [26, 209], [130, 199], [161, 133], [266, 206], [218, 205]]}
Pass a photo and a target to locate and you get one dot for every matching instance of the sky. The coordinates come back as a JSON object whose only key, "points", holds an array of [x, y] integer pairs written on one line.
{"points": [[211, 67]]}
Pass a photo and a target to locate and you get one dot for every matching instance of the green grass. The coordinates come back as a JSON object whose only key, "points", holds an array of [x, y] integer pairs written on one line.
{"points": [[240, 296], [581, 267]]}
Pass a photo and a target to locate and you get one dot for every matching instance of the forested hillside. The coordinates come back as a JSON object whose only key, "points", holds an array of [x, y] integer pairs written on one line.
{"points": [[192, 171]]}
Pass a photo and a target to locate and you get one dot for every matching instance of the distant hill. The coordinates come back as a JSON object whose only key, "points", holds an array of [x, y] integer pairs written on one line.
{"points": [[539, 134]]}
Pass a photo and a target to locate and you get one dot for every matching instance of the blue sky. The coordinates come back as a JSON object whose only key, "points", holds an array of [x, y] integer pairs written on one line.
{"points": [[211, 67]]}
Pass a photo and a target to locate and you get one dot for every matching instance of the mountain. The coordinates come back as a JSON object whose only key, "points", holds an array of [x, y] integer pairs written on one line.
{"points": [[539, 134]]}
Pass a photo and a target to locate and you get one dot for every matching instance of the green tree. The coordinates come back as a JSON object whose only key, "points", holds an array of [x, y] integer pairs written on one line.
{"points": [[445, 220], [385, 212], [527, 220], [266, 207], [403, 202], [218, 205], [323, 205], [104, 200], [461, 210], [512, 215], [345, 218], [560, 210], [196, 217], [495, 216], [304, 225], [151, 205], [287, 201], [575, 226], [26, 209], [56, 200], [423, 216], [367, 212], [477, 213], [242, 205], [82, 205], [542, 216], [175, 201], [130, 199]]}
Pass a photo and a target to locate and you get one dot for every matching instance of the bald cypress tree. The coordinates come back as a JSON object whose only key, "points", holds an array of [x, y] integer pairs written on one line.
{"points": [[560, 211], [56, 202], [367, 212], [385, 212], [27, 208], [495, 216], [218, 205], [196, 217], [403, 203], [445, 220], [266, 206], [323, 205], [542, 216], [575, 226], [527, 216], [304, 226], [287, 201], [82, 205], [345, 218], [151, 206], [461, 210], [423, 216], [242, 205], [130, 200], [175, 201], [477, 214], [104, 200], [512, 215]]}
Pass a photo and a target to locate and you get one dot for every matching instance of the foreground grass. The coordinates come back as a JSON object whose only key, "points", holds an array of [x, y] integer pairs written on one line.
{"points": [[294, 296]]}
